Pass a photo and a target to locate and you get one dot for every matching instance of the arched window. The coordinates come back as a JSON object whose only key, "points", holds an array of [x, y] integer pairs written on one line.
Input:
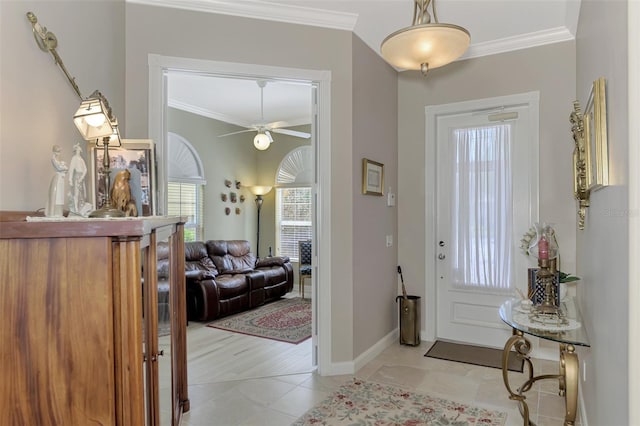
{"points": [[186, 186], [294, 201]]}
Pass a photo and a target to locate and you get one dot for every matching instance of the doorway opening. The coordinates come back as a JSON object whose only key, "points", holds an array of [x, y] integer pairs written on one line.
{"points": [[160, 69]]}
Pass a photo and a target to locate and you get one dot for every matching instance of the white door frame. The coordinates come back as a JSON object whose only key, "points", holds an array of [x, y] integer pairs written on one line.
{"points": [[431, 114], [159, 65]]}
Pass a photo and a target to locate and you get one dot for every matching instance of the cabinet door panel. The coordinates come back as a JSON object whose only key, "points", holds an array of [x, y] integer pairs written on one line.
{"points": [[56, 302]]}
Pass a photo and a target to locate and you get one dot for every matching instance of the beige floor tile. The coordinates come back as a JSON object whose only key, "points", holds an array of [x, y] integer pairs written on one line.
{"points": [[236, 381], [269, 418], [299, 401]]}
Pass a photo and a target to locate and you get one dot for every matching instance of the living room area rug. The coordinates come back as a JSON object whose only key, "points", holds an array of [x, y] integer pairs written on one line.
{"points": [[366, 403], [286, 320], [471, 354]]}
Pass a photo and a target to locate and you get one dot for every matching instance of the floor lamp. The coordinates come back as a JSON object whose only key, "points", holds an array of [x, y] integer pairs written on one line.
{"points": [[259, 191]]}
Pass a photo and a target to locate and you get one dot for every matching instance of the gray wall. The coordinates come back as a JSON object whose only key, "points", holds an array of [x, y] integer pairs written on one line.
{"points": [[37, 102], [549, 70], [603, 259], [375, 133]]}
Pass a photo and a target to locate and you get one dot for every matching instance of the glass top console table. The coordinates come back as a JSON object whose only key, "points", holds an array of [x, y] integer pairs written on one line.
{"points": [[566, 328]]}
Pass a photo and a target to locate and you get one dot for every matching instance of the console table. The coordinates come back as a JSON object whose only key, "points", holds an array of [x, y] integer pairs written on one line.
{"points": [[567, 329]]}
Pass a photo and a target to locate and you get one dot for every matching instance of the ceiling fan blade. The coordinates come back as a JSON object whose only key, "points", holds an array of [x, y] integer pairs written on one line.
{"points": [[290, 132], [268, 133], [235, 133]]}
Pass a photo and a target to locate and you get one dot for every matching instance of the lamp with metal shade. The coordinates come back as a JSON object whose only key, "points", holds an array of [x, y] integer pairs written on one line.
{"points": [[259, 191], [95, 121], [425, 45]]}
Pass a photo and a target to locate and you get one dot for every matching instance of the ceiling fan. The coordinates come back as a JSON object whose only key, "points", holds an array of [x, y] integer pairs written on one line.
{"points": [[263, 138]]}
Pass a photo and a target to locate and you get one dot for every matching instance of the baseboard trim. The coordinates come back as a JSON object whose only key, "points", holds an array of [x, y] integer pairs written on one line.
{"points": [[351, 367]]}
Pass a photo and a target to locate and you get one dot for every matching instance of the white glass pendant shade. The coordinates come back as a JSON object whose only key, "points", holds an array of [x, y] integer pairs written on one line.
{"points": [[261, 141], [425, 47], [91, 120]]}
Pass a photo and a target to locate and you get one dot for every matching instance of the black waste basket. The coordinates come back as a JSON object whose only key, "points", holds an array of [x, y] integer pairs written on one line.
{"points": [[409, 320]]}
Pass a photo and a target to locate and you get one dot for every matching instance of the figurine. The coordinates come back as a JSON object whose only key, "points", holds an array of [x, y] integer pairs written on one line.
{"points": [[77, 188], [121, 198], [55, 202]]}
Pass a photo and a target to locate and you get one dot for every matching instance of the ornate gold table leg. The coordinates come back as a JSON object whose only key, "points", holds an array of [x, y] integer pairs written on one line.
{"points": [[522, 347], [569, 369]]}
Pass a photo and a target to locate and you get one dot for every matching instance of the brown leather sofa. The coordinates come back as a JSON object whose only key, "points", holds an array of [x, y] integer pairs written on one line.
{"points": [[223, 278]]}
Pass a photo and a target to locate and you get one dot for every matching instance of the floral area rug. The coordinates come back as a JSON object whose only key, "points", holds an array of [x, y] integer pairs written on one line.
{"points": [[286, 320], [365, 403]]}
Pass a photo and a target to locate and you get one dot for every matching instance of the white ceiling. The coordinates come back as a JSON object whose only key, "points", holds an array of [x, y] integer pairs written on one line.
{"points": [[495, 25]]}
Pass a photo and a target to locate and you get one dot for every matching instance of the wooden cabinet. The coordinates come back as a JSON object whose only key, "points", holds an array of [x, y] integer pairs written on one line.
{"points": [[80, 336]]}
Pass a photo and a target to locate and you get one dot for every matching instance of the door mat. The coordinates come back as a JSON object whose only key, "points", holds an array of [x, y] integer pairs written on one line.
{"points": [[286, 320], [476, 355]]}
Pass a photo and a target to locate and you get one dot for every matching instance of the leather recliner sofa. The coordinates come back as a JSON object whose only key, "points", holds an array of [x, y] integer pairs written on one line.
{"points": [[223, 277]]}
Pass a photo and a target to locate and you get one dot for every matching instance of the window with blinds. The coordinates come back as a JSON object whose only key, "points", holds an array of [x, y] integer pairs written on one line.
{"points": [[293, 219], [186, 199]]}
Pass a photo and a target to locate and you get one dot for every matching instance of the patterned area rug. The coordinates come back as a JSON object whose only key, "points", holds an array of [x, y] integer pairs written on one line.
{"points": [[363, 403], [286, 320]]}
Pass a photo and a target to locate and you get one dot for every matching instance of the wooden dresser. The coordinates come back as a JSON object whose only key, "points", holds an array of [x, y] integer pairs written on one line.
{"points": [[81, 339]]}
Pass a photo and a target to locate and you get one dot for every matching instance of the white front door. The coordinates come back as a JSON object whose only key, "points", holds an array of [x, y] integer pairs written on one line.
{"points": [[485, 200]]}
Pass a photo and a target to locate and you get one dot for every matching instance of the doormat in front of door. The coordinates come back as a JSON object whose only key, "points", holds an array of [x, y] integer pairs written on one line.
{"points": [[476, 355]]}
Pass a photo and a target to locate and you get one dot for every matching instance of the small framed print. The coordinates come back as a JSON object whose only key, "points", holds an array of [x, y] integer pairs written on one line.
{"points": [[372, 177]]}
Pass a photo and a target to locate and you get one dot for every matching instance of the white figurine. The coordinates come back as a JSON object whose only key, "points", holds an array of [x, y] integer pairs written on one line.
{"points": [[55, 203], [77, 187]]}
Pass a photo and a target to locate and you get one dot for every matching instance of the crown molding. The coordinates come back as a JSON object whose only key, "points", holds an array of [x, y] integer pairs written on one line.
{"points": [[525, 41], [183, 106], [205, 113], [263, 10]]}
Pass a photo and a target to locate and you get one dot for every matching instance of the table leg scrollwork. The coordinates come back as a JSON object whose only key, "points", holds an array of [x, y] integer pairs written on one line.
{"points": [[522, 348]]}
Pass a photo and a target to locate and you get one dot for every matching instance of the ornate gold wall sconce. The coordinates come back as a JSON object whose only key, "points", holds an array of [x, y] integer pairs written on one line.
{"points": [[581, 161]]}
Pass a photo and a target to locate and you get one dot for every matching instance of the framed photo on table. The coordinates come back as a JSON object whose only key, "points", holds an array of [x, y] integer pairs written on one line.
{"points": [[138, 157], [372, 177]]}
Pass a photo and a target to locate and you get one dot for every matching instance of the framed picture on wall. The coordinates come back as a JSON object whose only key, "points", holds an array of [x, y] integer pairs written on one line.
{"points": [[137, 156], [372, 177]]}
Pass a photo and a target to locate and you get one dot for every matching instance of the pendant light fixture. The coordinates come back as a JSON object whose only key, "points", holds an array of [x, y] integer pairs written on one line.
{"points": [[425, 45]]}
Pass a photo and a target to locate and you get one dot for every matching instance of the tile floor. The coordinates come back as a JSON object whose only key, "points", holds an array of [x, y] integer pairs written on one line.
{"points": [[277, 385]]}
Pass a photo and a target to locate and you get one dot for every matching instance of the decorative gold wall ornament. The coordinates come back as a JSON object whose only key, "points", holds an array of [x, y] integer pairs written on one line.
{"points": [[581, 162], [595, 136]]}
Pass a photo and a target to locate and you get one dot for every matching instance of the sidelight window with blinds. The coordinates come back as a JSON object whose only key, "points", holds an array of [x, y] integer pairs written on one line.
{"points": [[293, 218], [185, 199]]}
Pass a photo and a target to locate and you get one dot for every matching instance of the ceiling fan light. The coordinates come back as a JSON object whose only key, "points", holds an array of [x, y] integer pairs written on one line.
{"points": [[261, 141]]}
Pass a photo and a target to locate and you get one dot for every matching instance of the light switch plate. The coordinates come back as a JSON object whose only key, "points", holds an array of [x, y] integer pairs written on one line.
{"points": [[391, 199]]}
